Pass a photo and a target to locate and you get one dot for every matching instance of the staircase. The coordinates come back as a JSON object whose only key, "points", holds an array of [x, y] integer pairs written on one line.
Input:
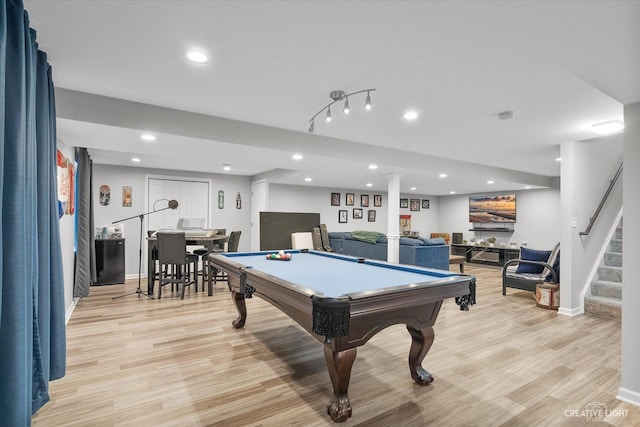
{"points": [[605, 298]]}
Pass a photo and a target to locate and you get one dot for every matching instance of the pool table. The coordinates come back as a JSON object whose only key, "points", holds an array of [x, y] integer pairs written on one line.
{"points": [[343, 301]]}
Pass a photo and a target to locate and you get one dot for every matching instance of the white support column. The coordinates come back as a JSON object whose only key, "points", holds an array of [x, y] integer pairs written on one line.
{"points": [[393, 224], [629, 390]]}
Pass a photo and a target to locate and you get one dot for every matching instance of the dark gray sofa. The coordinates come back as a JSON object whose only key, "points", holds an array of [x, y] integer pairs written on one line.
{"points": [[431, 253]]}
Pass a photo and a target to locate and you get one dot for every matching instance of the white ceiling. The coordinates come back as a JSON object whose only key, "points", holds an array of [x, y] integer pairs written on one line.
{"points": [[560, 66]]}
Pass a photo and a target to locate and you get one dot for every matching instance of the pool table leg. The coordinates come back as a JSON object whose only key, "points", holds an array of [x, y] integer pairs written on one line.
{"points": [[241, 306], [421, 340], [339, 364]]}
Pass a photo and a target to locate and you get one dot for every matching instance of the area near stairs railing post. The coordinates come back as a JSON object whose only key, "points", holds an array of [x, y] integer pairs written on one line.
{"points": [[592, 220]]}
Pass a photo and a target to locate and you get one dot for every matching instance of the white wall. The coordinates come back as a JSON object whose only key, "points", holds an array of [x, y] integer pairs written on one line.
{"points": [[587, 169], [538, 213], [537, 218], [294, 198], [630, 381], [118, 176], [67, 242]]}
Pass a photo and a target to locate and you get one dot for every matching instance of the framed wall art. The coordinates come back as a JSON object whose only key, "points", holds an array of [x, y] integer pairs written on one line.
{"points": [[126, 196], [335, 199], [415, 205], [425, 203], [377, 200], [342, 216], [349, 199], [357, 213], [404, 203], [371, 215], [364, 200]]}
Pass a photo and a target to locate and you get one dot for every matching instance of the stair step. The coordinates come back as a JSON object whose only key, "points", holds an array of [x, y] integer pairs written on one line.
{"points": [[615, 245], [618, 233], [609, 273], [603, 306], [613, 259], [603, 288]]}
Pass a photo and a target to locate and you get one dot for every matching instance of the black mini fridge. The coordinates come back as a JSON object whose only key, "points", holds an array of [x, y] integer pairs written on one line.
{"points": [[110, 261]]}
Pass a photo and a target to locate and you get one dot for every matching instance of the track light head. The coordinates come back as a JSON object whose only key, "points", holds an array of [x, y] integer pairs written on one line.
{"points": [[346, 108], [311, 127], [328, 118], [367, 102]]}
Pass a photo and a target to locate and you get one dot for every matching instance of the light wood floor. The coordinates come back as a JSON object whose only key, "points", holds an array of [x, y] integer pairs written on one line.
{"points": [[139, 362]]}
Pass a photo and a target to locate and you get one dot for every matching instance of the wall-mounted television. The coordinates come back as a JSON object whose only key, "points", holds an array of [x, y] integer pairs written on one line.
{"points": [[501, 208]]}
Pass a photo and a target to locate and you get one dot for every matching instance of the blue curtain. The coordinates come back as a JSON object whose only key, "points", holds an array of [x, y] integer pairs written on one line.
{"points": [[32, 329]]}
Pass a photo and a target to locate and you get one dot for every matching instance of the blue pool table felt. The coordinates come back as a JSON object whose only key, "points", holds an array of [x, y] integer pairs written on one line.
{"points": [[338, 276]]}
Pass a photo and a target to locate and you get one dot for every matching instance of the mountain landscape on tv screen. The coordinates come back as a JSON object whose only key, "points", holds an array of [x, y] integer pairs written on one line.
{"points": [[492, 208]]}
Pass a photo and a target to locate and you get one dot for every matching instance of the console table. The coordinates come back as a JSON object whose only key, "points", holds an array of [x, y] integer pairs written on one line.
{"points": [[493, 255]]}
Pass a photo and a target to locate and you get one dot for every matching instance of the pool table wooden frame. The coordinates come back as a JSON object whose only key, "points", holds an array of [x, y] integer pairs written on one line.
{"points": [[345, 323]]}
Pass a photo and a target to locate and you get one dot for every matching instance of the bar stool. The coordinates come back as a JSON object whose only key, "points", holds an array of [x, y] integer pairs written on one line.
{"points": [[203, 254]]}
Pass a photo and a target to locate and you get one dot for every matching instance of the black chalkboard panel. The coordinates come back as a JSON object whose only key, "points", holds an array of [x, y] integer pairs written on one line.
{"points": [[276, 228]]}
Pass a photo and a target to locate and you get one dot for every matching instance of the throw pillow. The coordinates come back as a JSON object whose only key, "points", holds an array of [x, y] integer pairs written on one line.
{"points": [[532, 255], [556, 268], [433, 242], [408, 241]]}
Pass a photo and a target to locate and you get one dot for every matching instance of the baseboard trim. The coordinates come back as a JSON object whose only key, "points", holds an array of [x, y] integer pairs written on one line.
{"points": [[570, 311], [629, 396], [69, 312]]}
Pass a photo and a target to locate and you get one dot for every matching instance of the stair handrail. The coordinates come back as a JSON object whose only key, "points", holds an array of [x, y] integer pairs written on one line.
{"points": [[592, 220]]}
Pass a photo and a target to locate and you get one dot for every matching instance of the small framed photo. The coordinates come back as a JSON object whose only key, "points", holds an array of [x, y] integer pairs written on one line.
{"points": [[425, 203], [364, 200], [371, 215], [357, 213], [415, 205], [126, 196], [335, 199], [377, 200], [342, 216], [349, 199], [404, 203]]}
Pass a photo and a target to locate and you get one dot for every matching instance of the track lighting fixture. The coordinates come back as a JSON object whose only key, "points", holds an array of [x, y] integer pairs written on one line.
{"points": [[339, 95]]}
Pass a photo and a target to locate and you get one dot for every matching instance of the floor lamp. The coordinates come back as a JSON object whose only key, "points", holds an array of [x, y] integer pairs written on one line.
{"points": [[173, 204]]}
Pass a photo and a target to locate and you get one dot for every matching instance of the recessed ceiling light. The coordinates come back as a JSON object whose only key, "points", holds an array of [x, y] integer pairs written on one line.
{"points": [[411, 115], [197, 56], [527, 187], [148, 137], [442, 175], [452, 192], [413, 188], [308, 179], [369, 184], [373, 166], [297, 157], [610, 126], [226, 167], [558, 159], [490, 182], [135, 159]]}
